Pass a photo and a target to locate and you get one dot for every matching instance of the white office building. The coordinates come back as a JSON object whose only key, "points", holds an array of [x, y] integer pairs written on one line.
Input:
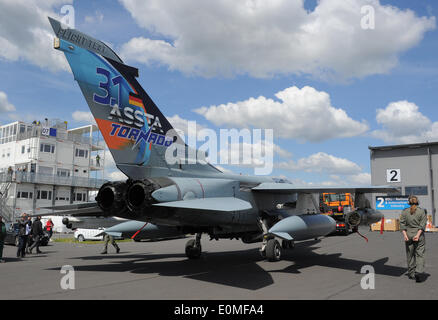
{"points": [[45, 164]]}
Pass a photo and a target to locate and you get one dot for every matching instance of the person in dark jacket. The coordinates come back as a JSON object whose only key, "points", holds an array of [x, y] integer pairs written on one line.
{"points": [[22, 237], [2, 238], [37, 233]]}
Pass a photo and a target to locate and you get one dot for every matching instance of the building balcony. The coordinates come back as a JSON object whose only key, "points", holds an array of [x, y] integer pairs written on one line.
{"points": [[50, 179], [82, 135]]}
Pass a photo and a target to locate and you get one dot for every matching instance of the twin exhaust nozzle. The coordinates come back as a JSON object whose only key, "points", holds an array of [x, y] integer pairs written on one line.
{"points": [[116, 198]]}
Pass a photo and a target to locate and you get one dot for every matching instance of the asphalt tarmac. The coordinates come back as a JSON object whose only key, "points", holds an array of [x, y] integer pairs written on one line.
{"points": [[328, 268]]}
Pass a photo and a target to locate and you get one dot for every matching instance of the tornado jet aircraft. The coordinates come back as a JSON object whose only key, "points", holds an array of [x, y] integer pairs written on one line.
{"points": [[186, 197]]}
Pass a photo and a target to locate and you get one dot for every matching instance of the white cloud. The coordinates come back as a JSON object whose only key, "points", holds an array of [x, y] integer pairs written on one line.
{"points": [[340, 171], [321, 162], [359, 179], [111, 171], [96, 18], [183, 126], [402, 123], [257, 153], [5, 105], [264, 38], [303, 114], [83, 116], [25, 33], [117, 175], [240, 151], [362, 178]]}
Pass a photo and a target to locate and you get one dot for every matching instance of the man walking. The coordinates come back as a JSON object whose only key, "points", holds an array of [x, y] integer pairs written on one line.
{"points": [[413, 222], [109, 238], [37, 233], [2, 238]]}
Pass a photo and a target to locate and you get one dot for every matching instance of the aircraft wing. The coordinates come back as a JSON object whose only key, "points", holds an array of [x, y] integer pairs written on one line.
{"points": [[74, 206], [75, 210], [291, 188], [225, 204]]}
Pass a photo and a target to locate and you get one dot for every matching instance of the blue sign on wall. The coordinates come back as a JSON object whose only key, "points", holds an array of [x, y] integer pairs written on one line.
{"points": [[391, 202]]}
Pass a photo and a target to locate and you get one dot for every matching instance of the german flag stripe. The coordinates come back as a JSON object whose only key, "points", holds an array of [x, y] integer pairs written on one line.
{"points": [[135, 103], [132, 98], [135, 100]]}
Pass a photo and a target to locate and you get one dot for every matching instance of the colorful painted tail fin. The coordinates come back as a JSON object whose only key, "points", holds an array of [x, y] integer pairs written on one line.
{"points": [[135, 131]]}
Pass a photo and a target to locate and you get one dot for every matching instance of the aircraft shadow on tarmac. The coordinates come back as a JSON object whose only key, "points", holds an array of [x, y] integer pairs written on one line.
{"points": [[232, 268]]}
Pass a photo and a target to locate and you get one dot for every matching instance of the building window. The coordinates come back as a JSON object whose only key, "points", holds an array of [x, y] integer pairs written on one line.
{"points": [[24, 195], [63, 173], [23, 148], [81, 153], [62, 195], [44, 195], [416, 190], [79, 197], [48, 148]]}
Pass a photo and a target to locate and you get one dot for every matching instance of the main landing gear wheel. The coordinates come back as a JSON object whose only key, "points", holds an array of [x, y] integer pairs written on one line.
{"points": [[273, 250], [193, 248]]}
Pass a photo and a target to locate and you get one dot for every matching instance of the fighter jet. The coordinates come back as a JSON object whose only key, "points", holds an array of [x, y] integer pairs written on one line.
{"points": [[186, 197]]}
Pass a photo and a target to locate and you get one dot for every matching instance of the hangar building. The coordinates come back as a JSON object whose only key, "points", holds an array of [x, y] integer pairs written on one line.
{"points": [[411, 167]]}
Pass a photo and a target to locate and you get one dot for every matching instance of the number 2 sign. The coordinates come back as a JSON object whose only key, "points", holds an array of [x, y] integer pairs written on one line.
{"points": [[393, 175]]}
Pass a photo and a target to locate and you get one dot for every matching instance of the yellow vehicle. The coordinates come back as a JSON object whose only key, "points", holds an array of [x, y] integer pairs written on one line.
{"points": [[333, 204]]}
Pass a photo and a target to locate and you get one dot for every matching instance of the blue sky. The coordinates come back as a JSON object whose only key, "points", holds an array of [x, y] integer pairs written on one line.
{"points": [[395, 72]]}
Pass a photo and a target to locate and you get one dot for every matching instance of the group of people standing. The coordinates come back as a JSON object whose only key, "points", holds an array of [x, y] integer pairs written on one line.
{"points": [[30, 234], [27, 229]]}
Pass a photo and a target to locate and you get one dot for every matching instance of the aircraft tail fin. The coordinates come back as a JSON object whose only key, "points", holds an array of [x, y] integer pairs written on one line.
{"points": [[135, 131]]}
